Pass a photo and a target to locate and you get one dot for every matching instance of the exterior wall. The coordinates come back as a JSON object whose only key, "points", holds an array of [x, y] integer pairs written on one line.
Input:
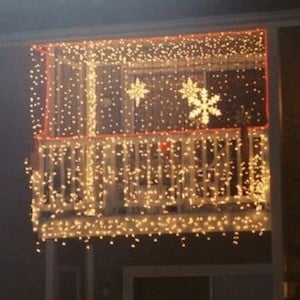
{"points": [[111, 261], [290, 56], [22, 268], [168, 251], [199, 282], [70, 271]]}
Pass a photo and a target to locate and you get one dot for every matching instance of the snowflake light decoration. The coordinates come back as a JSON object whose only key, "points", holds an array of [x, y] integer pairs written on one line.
{"points": [[204, 107], [189, 89], [137, 91]]}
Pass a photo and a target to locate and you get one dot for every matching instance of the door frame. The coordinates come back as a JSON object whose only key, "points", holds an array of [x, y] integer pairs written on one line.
{"points": [[132, 272]]}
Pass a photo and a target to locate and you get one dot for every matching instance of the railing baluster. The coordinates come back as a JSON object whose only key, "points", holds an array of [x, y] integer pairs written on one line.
{"points": [[204, 166], [42, 169], [227, 172], [126, 170], [148, 165], [51, 175], [171, 191], [159, 170], [73, 172], [216, 169], [251, 176], [192, 144], [190, 171], [61, 168], [239, 166]]}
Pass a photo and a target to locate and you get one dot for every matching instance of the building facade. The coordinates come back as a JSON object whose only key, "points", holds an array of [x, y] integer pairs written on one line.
{"points": [[162, 140]]}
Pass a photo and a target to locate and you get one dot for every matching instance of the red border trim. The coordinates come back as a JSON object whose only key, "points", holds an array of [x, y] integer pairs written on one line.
{"points": [[44, 134]]}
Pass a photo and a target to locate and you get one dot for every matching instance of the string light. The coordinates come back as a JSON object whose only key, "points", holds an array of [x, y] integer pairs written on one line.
{"points": [[137, 91], [109, 164], [189, 89], [203, 107]]}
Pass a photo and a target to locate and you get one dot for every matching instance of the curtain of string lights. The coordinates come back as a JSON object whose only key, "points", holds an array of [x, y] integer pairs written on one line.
{"points": [[150, 136]]}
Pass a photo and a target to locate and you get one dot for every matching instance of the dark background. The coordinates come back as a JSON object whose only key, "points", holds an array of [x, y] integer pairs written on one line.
{"points": [[21, 267]]}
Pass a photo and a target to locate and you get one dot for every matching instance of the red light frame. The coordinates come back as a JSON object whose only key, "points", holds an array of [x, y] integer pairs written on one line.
{"points": [[42, 48]]}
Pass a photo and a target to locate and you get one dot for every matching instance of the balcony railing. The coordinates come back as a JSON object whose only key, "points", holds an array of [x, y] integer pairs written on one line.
{"points": [[221, 175]]}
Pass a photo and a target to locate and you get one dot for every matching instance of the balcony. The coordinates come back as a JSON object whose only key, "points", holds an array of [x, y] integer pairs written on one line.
{"points": [[151, 136], [118, 185]]}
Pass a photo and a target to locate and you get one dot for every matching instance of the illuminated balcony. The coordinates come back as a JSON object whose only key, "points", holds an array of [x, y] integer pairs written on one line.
{"points": [[122, 185], [151, 136]]}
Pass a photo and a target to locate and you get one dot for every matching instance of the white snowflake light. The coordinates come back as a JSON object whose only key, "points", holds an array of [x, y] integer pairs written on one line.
{"points": [[137, 91], [189, 89], [204, 107]]}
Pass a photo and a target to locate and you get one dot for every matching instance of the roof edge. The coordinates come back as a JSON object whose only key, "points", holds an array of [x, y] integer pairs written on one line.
{"points": [[276, 19]]}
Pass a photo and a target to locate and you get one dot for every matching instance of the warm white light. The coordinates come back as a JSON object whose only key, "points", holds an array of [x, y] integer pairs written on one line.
{"points": [[203, 107], [119, 145], [137, 91]]}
